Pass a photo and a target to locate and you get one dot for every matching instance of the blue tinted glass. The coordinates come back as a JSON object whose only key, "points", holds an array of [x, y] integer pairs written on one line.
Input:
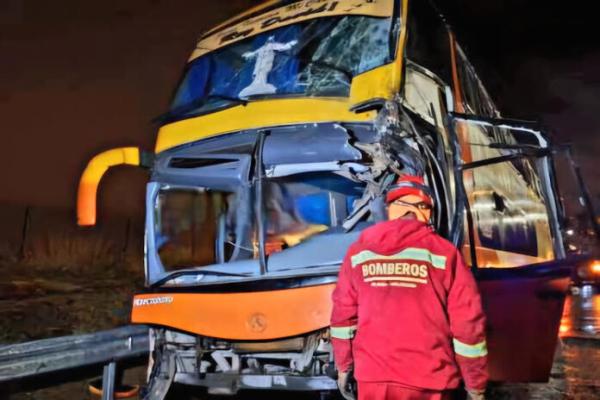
{"points": [[312, 58]]}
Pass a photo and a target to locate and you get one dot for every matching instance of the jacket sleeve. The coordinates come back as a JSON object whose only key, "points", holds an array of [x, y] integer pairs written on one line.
{"points": [[344, 317], [467, 322]]}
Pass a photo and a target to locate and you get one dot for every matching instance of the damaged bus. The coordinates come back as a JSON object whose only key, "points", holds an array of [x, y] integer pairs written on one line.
{"points": [[289, 122]]}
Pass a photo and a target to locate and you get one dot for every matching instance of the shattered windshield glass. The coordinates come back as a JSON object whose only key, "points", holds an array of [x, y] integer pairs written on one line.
{"points": [[195, 228], [313, 58], [201, 227], [301, 206]]}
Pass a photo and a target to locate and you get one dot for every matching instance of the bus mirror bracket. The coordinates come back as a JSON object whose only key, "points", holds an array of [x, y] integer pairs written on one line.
{"points": [[96, 169]]}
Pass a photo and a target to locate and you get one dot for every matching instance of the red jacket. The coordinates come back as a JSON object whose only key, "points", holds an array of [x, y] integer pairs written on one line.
{"points": [[407, 310]]}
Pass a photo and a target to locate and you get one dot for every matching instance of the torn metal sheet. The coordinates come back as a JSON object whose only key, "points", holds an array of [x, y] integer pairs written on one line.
{"points": [[395, 150]]}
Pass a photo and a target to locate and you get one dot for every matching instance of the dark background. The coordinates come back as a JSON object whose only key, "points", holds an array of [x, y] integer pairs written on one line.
{"points": [[78, 77]]}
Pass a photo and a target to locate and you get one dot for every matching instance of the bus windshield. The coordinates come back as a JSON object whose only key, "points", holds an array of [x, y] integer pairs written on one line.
{"points": [[200, 227], [318, 57]]}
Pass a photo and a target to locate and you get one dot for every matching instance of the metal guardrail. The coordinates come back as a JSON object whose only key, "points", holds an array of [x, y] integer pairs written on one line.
{"points": [[30, 359]]}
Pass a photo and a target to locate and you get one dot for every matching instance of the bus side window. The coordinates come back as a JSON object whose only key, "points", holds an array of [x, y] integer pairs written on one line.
{"points": [[475, 97], [511, 220], [511, 226]]}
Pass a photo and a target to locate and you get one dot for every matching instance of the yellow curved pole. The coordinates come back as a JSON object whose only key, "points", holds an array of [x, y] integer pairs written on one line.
{"points": [[93, 173]]}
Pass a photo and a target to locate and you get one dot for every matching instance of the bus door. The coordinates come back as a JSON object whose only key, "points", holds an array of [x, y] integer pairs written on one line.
{"points": [[507, 221]]}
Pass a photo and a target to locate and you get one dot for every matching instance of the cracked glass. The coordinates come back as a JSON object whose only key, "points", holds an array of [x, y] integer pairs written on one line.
{"points": [[313, 58]]}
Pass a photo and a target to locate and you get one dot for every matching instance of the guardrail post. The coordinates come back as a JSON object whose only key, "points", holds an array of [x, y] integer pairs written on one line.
{"points": [[108, 381]]}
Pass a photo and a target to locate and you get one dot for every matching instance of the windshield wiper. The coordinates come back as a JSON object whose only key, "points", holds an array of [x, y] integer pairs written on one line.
{"points": [[177, 112], [178, 274]]}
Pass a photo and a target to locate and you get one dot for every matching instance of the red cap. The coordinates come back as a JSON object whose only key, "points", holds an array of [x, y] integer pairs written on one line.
{"points": [[409, 184]]}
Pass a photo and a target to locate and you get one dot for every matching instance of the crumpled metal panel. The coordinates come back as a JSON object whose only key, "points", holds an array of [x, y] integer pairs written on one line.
{"points": [[309, 144]]}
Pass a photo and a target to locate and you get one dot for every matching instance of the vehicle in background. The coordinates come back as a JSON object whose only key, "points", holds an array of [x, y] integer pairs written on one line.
{"points": [[589, 274]]}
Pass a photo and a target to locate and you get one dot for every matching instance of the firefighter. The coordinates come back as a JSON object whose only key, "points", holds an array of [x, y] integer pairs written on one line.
{"points": [[407, 317]]}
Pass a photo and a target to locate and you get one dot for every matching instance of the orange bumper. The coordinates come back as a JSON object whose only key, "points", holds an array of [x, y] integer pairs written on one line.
{"points": [[238, 316]]}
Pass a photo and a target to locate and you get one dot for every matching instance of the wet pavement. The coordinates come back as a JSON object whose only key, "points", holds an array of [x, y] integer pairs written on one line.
{"points": [[576, 370], [575, 373], [582, 313]]}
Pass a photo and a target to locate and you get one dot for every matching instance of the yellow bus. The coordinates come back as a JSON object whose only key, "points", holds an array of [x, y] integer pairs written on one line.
{"points": [[289, 122]]}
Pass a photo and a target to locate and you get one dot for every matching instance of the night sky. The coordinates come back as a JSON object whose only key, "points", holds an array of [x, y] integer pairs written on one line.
{"points": [[540, 60], [78, 77]]}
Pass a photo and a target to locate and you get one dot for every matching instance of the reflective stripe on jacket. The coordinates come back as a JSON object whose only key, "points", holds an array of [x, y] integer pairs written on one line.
{"points": [[406, 309]]}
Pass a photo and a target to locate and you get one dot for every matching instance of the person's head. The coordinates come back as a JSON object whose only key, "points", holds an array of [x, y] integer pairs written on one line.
{"points": [[409, 198]]}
